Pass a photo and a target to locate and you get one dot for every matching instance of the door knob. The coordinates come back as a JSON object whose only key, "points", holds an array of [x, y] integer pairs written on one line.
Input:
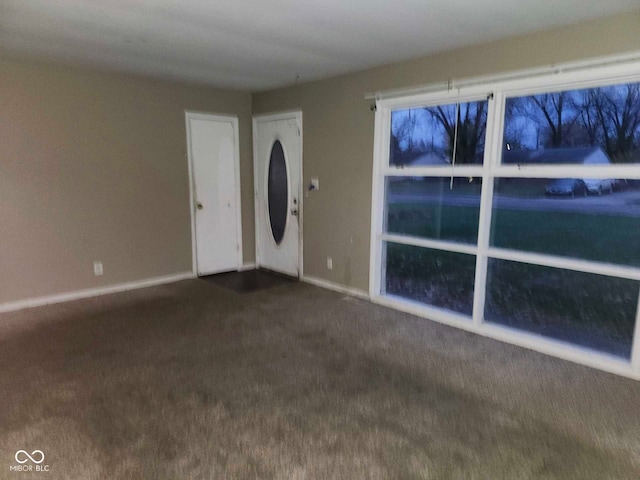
{"points": [[199, 206]]}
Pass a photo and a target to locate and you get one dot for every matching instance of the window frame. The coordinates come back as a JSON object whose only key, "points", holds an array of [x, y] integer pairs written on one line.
{"points": [[497, 92]]}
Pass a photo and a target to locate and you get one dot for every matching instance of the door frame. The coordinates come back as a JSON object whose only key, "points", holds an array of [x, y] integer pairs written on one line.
{"points": [[233, 119], [270, 117]]}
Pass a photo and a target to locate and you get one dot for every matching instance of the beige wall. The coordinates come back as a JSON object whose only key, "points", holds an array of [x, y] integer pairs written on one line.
{"points": [[338, 129], [93, 166]]}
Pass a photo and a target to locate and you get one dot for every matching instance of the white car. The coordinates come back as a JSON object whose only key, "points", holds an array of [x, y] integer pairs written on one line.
{"points": [[597, 186]]}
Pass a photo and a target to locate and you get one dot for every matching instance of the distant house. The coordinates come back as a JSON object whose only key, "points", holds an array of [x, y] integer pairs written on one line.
{"points": [[430, 159], [565, 156], [580, 156]]}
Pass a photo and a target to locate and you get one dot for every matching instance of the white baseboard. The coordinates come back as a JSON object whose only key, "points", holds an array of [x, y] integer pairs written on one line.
{"points": [[336, 287], [92, 292], [247, 266]]}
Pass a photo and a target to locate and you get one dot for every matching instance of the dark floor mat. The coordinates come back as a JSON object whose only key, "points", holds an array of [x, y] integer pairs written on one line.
{"points": [[249, 281]]}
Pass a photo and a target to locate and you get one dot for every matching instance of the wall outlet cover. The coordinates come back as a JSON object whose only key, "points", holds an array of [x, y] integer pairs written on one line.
{"points": [[97, 268]]}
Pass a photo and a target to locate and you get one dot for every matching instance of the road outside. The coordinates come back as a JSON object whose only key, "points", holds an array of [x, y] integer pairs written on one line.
{"points": [[625, 203]]}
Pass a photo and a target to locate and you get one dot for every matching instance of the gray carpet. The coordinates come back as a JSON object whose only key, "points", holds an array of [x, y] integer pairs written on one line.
{"points": [[190, 380]]}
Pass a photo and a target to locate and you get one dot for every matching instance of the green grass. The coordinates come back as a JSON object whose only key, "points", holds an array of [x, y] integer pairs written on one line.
{"points": [[442, 279], [571, 304], [611, 239], [520, 187], [545, 300], [459, 224], [461, 186]]}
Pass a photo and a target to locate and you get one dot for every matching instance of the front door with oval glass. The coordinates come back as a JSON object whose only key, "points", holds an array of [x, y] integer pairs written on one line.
{"points": [[278, 163]]}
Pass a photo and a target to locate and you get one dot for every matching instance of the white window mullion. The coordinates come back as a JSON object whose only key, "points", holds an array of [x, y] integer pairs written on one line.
{"points": [[380, 158], [491, 156], [631, 171], [479, 290], [635, 346], [428, 243], [443, 171], [577, 265]]}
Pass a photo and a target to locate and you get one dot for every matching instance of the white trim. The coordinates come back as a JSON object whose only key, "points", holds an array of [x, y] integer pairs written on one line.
{"points": [[493, 134], [301, 191], [271, 117], [630, 171], [635, 352], [380, 158], [567, 263], [609, 71], [233, 120], [428, 243], [434, 171], [92, 292], [256, 220], [336, 287], [276, 116], [236, 149], [192, 220], [538, 343]]}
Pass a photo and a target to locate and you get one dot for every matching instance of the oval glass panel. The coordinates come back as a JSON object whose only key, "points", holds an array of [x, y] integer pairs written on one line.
{"points": [[277, 192]]}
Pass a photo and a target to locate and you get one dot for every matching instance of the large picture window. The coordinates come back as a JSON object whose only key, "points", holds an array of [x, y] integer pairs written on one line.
{"points": [[513, 210]]}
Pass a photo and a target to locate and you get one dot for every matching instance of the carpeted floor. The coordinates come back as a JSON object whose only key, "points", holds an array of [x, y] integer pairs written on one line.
{"points": [[193, 381]]}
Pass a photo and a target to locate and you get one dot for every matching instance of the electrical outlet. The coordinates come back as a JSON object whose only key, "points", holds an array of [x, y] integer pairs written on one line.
{"points": [[97, 268], [329, 263]]}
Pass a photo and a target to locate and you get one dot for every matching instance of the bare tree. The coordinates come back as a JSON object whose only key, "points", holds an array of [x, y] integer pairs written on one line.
{"points": [[395, 150], [555, 114], [471, 123], [403, 141], [403, 129], [589, 119], [618, 112], [514, 131]]}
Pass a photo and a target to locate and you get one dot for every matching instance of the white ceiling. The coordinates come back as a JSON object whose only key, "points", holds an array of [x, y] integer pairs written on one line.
{"points": [[261, 44]]}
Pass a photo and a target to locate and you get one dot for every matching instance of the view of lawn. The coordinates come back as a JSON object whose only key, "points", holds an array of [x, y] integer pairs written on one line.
{"points": [[602, 238], [438, 222], [585, 309], [438, 278]]}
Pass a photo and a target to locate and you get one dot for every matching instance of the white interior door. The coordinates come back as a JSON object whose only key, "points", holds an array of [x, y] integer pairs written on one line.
{"points": [[214, 160], [278, 171]]}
